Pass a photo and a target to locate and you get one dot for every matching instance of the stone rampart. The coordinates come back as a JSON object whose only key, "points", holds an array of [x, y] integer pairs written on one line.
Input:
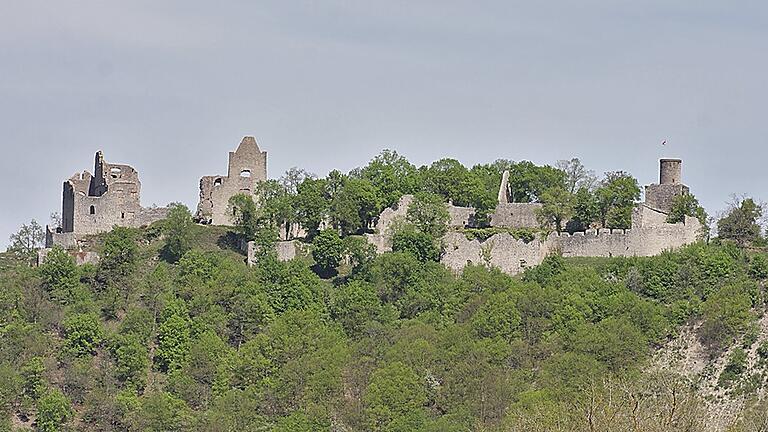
{"points": [[286, 250], [513, 256], [500, 250], [81, 257], [515, 215]]}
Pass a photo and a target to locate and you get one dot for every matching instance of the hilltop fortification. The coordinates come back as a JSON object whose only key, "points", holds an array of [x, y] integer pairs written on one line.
{"points": [[247, 167], [650, 233], [94, 203]]}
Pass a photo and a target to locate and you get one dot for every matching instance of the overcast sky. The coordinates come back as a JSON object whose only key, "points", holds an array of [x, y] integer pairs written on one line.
{"points": [[170, 87]]}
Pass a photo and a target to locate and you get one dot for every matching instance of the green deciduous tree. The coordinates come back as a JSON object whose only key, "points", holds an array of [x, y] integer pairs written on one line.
{"points": [[586, 211], [556, 210], [616, 198], [528, 181], [162, 412], [354, 205], [312, 204], [27, 240], [741, 223], [119, 255], [392, 176], [82, 334], [726, 314], [355, 306], [395, 394], [327, 249], [406, 238], [245, 215], [428, 214], [178, 232], [131, 360], [60, 275], [173, 339], [686, 205], [33, 376], [498, 317]]}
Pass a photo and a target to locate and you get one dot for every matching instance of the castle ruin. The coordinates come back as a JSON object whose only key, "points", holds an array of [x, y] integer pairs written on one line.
{"points": [[650, 233], [661, 196], [95, 203], [247, 167]]}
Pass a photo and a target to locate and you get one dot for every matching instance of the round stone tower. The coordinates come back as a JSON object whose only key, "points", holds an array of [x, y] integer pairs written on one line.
{"points": [[670, 171]]}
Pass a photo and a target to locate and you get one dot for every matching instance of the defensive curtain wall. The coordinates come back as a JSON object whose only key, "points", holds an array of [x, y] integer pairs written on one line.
{"points": [[650, 234], [512, 255]]}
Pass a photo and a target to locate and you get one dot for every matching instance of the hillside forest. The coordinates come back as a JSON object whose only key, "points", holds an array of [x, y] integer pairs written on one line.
{"points": [[172, 331]]}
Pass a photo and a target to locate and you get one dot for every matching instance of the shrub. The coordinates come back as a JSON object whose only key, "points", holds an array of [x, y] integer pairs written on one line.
{"points": [[82, 334], [328, 249]]}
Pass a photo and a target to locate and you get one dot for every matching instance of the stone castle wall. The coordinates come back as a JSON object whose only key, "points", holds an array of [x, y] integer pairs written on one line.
{"points": [[286, 251], [247, 167], [515, 215], [459, 217], [95, 203], [513, 256]]}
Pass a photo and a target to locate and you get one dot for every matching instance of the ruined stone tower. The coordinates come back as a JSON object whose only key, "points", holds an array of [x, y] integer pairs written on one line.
{"points": [[247, 167], [95, 203], [661, 196]]}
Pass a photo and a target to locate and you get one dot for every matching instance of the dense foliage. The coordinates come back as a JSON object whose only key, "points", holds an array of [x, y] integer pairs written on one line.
{"points": [[570, 194], [171, 331], [394, 343]]}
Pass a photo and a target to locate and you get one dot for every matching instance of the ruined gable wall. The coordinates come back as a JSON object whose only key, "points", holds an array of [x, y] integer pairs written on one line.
{"points": [[118, 202], [248, 157], [215, 192], [515, 215], [246, 168]]}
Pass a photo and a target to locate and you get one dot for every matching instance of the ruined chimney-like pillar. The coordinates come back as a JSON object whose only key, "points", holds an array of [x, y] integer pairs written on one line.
{"points": [[504, 188], [670, 171]]}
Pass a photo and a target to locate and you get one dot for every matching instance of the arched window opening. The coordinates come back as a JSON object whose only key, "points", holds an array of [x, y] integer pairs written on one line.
{"points": [[245, 173], [217, 182], [92, 210]]}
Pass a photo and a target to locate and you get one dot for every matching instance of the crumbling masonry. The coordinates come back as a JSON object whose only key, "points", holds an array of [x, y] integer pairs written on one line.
{"points": [[247, 167], [650, 233], [94, 203]]}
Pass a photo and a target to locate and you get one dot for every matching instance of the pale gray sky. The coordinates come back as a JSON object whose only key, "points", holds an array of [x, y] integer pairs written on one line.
{"points": [[171, 86]]}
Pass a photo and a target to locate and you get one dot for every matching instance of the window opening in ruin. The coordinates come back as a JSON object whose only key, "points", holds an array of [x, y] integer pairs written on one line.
{"points": [[114, 171], [217, 182], [122, 215], [245, 173], [92, 210]]}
